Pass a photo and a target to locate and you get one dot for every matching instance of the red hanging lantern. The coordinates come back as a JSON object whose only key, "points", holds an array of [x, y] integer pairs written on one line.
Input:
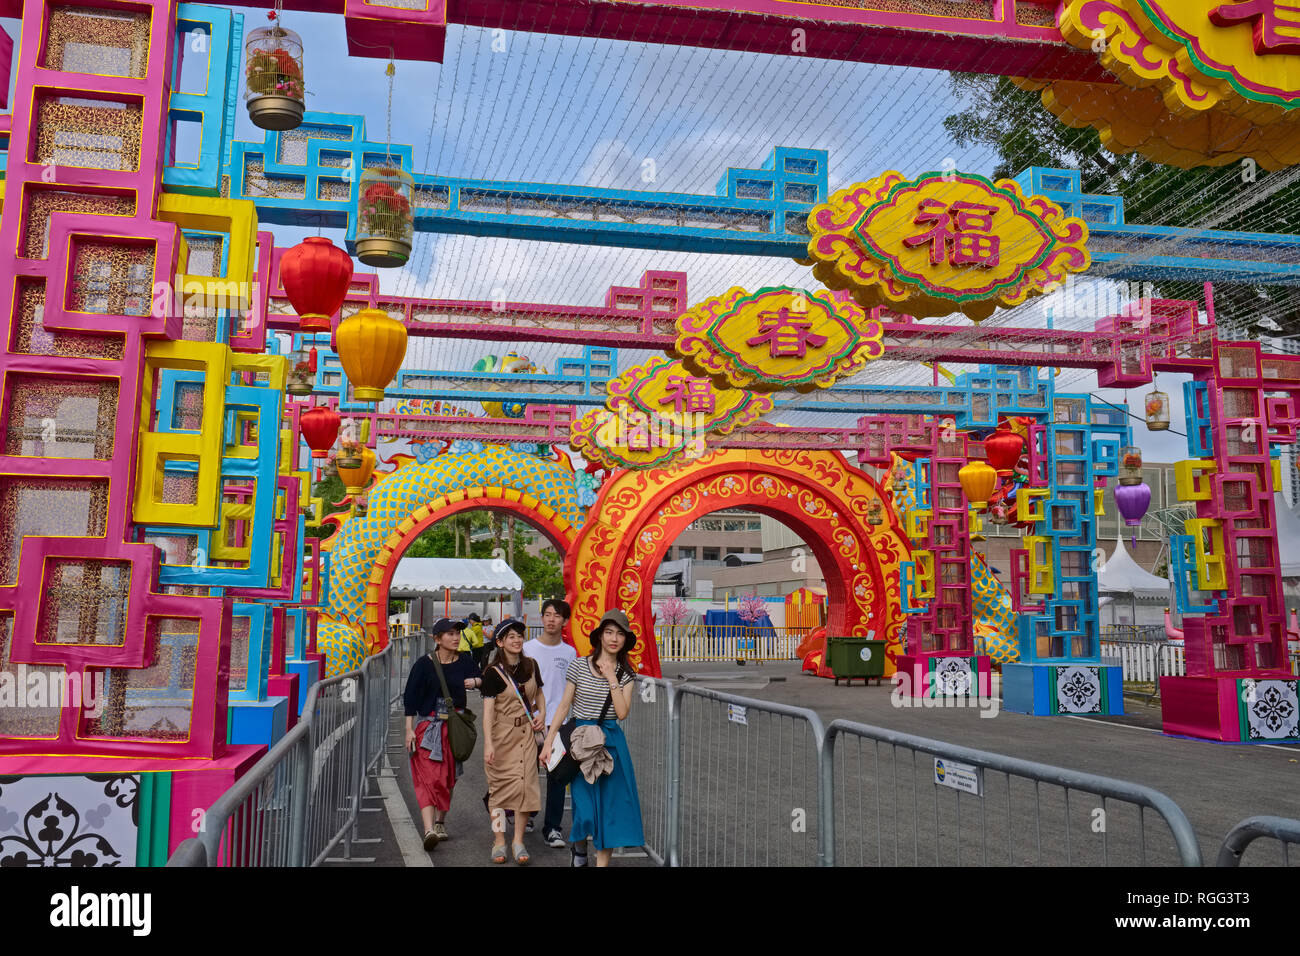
{"points": [[315, 275], [1004, 450], [319, 427]]}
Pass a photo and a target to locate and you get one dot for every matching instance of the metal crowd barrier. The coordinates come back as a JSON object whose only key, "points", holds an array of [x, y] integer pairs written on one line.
{"points": [[1133, 632], [646, 729], [746, 781], [906, 800], [303, 798], [1249, 830], [1146, 661], [726, 780]]}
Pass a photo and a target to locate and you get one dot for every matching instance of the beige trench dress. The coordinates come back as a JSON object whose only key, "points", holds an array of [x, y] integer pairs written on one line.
{"points": [[512, 776]]}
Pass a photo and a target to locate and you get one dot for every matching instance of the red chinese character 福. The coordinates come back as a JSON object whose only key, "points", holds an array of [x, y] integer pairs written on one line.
{"points": [[962, 233], [688, 395], [785, 336]]}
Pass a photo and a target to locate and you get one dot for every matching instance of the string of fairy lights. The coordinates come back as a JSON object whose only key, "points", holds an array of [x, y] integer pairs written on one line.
{"points": [[538, 107]]}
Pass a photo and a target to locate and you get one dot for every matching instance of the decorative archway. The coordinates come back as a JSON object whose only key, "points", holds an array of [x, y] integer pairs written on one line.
{"points": [[557, 530], [545, 492], [817, 494]]}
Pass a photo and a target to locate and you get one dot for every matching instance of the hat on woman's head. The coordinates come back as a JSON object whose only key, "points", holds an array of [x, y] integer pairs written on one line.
{"points": [[510, 624], [443, 625], [616, 617]]}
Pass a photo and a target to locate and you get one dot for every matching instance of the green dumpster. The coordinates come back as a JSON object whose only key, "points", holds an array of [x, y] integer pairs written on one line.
{"points": [[852, 657]]}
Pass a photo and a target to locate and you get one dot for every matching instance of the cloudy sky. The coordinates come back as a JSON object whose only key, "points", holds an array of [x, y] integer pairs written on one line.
{"points": [[538, 108]]}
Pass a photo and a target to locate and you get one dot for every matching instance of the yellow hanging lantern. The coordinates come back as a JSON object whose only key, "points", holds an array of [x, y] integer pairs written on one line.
{"points": [[978, 480], [371, 346], [356, 479]]}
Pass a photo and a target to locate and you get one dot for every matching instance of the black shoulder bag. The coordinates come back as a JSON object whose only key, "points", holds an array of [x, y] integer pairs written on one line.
{"points": [[568, 768], [462, 734]]}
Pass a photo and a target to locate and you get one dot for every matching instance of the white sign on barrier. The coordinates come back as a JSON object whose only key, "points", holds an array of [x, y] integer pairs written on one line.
{"points": [[736, 714], [959, 776]]}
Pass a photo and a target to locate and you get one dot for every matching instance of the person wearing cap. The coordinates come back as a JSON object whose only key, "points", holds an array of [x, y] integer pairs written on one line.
{"points": [[471, 639], [433, 770], [606, 810], [514, 709]]}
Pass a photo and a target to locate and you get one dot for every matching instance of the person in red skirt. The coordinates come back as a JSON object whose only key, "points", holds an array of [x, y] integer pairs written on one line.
{"points": [[433, 770]]}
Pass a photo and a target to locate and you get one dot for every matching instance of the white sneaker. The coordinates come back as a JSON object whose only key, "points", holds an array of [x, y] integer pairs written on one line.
{"points": [[553, 838]]}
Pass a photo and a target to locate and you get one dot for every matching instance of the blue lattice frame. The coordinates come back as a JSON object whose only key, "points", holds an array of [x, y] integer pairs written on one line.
{"points": [[1200, 261], [266, 403], [595, 367], [787, 171], [259, 650], [213, 107]]}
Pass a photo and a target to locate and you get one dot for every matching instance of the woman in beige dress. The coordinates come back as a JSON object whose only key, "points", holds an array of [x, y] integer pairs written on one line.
{"points": [[513, 711]]}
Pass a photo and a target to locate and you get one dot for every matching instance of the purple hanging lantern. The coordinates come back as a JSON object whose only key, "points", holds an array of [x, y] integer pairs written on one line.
{"points": [[1133, 501]]}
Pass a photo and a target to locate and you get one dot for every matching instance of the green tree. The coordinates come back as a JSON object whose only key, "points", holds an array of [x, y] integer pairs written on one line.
{"points": [[333, 491], [542, 574], [1022, 133]]}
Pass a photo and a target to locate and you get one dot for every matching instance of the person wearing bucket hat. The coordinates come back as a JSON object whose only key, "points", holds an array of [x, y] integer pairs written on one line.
{"points": [[433, 769], [514, 709], [598, 693]]}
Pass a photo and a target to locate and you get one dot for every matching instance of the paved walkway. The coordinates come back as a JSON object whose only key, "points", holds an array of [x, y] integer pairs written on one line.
{"points": [[1216, 785], [468, 822]]}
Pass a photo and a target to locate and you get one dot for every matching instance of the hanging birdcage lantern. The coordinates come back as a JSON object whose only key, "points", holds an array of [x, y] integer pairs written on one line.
{"points": [[302, 372], [351, 447], [273, 78], [998, 514], [385, 217], [1130, 465], [875, 512], [363, 505], [1156, 409]]}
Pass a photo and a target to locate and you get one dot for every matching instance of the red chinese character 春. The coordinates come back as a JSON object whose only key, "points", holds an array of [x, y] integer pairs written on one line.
{"points": [[784, 335]]}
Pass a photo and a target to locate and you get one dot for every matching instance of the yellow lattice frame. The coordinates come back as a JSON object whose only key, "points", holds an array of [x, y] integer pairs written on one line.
{"points": [[204, 448]]}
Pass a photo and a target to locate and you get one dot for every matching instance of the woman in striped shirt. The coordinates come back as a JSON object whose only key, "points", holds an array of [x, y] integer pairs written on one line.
{"points": [[600, 685]]}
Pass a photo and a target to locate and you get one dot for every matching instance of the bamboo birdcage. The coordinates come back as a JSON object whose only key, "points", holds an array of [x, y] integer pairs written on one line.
{"points": [[273, 76], [385, 217]]}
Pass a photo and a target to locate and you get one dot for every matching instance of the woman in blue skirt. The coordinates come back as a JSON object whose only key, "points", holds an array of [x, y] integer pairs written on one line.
{"points": [[600, 685]]}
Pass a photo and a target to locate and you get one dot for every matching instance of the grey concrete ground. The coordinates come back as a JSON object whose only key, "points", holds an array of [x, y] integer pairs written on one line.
{"points": [[749, 785], [467, 822], [1216, 785]]}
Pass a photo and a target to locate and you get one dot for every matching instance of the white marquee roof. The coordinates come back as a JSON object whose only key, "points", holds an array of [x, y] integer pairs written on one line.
{"points": [[1122, 575], [417, 577]]}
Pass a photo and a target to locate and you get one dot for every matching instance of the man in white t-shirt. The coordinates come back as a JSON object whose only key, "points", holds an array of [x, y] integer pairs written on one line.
{"points": [[553, 657]]}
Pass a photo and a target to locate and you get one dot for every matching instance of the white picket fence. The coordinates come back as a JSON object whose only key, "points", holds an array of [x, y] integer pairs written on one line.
{"points": [[1146, 661]]}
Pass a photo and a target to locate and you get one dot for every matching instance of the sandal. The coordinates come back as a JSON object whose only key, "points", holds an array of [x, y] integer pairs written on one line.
{"points": [[499, 853], [521, 853]]}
